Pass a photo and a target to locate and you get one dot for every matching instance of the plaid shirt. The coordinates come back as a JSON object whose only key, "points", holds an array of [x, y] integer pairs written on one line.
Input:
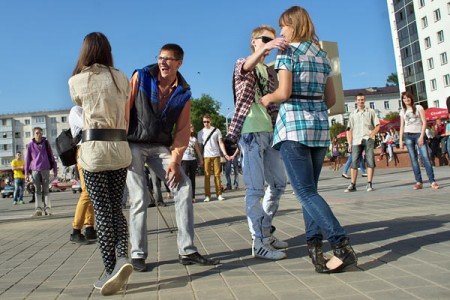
{"points": [[301, 120], [245, 86]]}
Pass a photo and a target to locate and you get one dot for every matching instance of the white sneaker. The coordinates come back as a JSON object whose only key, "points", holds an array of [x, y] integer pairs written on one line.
{"points": [[275, 243], [259, 249], [220, 198], [206, 199]]}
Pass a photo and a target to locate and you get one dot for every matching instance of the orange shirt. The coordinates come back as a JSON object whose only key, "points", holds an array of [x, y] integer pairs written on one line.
{"points": [[182, 130]]}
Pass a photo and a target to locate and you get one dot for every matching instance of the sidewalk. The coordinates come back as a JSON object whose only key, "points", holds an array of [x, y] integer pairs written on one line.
{"points": [[402, 238]]}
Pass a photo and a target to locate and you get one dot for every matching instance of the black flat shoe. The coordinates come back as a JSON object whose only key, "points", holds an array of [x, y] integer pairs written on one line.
{"points": [[196, 258], [139, 264]]}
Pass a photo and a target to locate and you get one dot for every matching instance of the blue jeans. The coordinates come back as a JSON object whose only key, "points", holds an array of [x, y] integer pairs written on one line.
{"points": [[349, 163], [411, 141], [18, 188], [303, 165], [260, 162], [228, 164]]}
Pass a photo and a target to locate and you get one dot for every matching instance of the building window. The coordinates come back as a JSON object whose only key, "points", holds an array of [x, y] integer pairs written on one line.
{"points": [[5, 135], [399, 103], [17, 135], [63, 119], [430, 62], [346, 108], [39, 120], [356, 106], [27, 134], [3, 122], [436, 103], [427, 42], [54, 132], [448, 8], [53, 120], [372, 105], [437, 15], [386, 104], [27, 122], [424, 22], [421, 3], [443, 58], [440, 36], [433, 84], [447, 80], [5, 147]]}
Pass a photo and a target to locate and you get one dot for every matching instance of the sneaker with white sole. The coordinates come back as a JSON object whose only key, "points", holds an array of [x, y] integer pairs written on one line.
{"points": [[369, 187], [261, 250], [221, 198], [47, 211], [37, 213], [118, 278], [206, 199], [350, 188], [275, 243]]}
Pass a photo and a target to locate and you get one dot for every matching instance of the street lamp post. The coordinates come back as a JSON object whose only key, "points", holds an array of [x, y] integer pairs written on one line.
{"points": [[226, 118]]}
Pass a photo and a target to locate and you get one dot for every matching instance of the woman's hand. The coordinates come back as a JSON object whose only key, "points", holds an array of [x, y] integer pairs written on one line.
{"points": [[264, 101]]}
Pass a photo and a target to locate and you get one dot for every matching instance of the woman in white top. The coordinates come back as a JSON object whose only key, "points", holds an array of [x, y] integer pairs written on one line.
{"points": [[412, 133], [190, 162]]}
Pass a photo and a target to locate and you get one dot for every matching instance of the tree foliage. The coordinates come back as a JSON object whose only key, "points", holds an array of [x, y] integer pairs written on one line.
{"points": [[336, 129], [392, 80], [391, 116], [206, 104]]}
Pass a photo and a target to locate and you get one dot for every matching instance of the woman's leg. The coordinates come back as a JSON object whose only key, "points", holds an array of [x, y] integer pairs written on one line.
{"points": [[411, 142], [423, 150]]}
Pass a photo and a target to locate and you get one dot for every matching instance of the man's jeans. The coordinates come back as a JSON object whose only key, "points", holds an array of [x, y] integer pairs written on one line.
{"points": [[367, 146], [228, 164], [18, 189], [411, 141], [157, 158], [349, 163], [260, 162], [303, 165]]}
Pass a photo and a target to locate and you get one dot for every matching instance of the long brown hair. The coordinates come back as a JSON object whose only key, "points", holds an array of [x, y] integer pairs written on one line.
{"points": [[413, 104], [95, 49], [298, 18]]}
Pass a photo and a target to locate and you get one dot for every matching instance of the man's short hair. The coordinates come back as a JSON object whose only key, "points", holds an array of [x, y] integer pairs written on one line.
{"points": [[207, 116], [18, 152], [360, 94], [37, 128], [177, 50]]}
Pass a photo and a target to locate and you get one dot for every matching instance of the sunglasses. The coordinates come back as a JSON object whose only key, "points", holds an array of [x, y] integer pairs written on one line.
{"points": [[165, 58], [38, 132], [264, 39], [206, 121]]}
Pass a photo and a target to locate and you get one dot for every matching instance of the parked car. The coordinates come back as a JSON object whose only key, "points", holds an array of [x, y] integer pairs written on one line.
{"points": [[58, 186], [76, 186], [8, 191]]}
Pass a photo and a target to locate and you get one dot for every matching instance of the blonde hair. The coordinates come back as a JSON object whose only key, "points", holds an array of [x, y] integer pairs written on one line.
{"points": [[259, 30], [303, 28]]}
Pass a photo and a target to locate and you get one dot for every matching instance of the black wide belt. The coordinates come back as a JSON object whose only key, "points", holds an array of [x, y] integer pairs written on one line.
{"points": [[296, 96], [103, 134]]}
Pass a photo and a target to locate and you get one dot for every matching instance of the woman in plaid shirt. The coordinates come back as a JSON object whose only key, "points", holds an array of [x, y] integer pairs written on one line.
{"points": [[302, 134]]}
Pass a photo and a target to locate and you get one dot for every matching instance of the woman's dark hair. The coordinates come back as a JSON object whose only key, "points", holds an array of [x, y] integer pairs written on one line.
{"points": [[95, 50], [410, 96]]}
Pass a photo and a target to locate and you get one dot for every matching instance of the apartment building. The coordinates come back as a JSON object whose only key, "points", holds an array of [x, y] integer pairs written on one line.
{"points": [[382, 99], [421, 37], [16, 132]]}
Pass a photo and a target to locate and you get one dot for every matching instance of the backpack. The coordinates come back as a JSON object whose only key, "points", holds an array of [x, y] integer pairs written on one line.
{"points": [[66, 146]]}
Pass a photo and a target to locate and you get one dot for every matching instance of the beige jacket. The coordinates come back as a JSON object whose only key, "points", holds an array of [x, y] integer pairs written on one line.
{"points": [[103, 107]]}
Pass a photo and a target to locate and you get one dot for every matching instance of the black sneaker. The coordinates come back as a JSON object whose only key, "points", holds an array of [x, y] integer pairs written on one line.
{"points": [[90, 233], [139, 264], [78, 238], [351, 188]]}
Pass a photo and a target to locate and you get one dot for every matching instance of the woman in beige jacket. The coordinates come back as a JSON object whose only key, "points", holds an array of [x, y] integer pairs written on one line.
{"points": [[103, 91]]}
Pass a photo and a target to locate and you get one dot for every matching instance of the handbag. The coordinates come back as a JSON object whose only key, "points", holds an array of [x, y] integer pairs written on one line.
{"points": [[66, 146]]}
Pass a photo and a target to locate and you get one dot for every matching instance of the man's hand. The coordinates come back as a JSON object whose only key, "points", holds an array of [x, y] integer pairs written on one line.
{"points": [[173, 174]]}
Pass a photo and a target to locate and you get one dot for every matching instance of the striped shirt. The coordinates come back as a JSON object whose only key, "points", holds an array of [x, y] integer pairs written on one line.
{"points": [[301, 120]]}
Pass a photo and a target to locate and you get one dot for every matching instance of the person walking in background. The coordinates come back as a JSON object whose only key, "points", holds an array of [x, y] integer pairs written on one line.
{"points": [[84, 212], [32, 191], [252, 125], [383, 145], [102, 91], [232, 150], [39, 160], [412, 133], [336, 154], [363, 126], [302, 133], [191, 161], [17, 165], [160, 110], [210, 139]]}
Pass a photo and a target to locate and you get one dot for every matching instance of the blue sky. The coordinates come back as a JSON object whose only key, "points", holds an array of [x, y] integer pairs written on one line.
{"points": [[40, 42]]}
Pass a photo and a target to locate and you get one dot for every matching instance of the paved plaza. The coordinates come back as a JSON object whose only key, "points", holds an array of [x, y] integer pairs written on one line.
{"points": [[402, 238]]}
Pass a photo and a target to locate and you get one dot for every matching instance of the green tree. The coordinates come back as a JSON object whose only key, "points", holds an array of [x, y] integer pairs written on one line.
{"points": [[336, 129], [392, 115], [206, 104], [392, 80]]}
